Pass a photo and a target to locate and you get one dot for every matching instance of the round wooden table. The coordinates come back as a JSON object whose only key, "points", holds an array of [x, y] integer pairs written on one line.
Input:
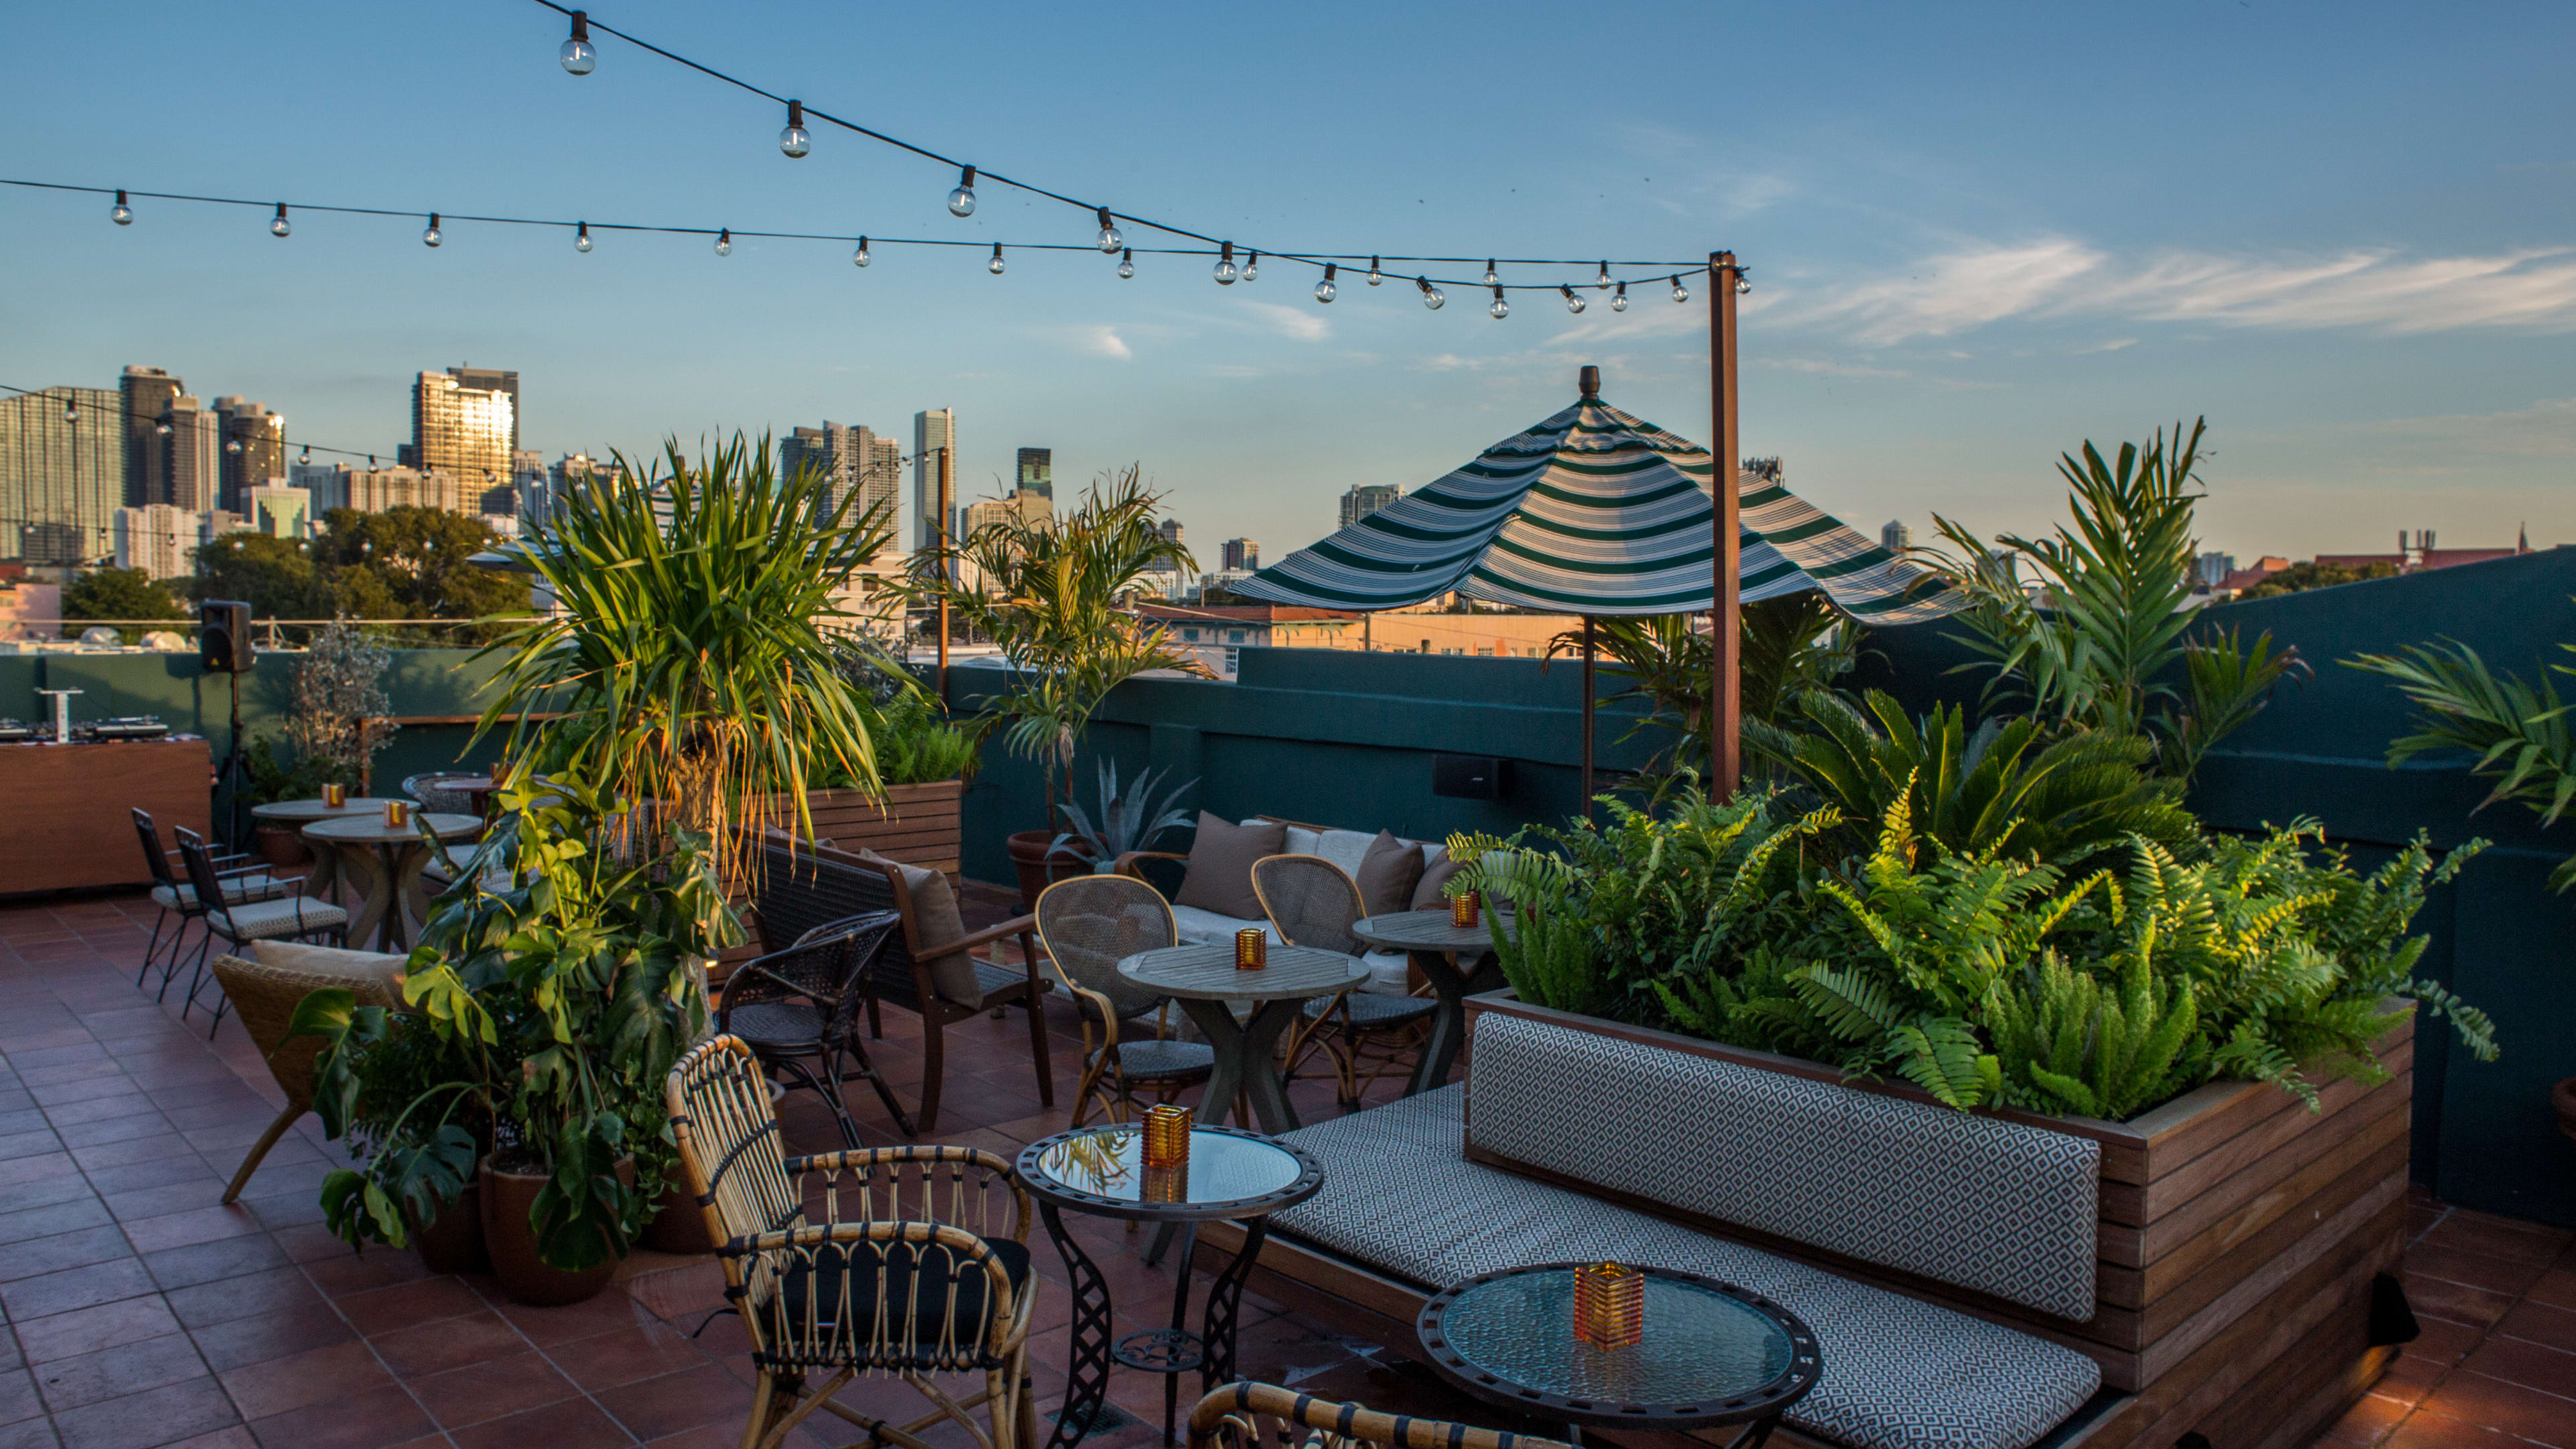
{"points": [[1458, 961], [391, 870], [1204, 980], [329, 873]]}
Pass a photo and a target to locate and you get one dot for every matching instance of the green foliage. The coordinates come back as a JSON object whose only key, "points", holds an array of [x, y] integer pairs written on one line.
{"points": [[547, 1000], [1126, 819], [401, 563], [119, 594], [2517, 732], [273, 779], [2300, 577], [915, 742]]}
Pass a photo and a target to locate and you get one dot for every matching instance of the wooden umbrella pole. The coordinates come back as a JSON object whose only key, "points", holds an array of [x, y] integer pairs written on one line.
{"points": [[1725, 616], [947, 574], [1587, 717]]}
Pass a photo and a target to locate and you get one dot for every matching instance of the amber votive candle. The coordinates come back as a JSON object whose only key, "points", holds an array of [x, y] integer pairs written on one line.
{"points": [[1251, 949], [1462, 908], [1166, 1184], [397, 814], [1167, 1136], [335, 796], [1609, 1305]]}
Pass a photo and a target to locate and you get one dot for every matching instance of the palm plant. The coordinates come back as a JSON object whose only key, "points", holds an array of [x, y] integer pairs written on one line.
{"points": [[691, 661], [2518, 732]]}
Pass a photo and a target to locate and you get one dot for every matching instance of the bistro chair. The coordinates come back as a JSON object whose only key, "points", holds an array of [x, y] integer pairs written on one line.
{"points": [[803, 1003], [177, 898], [266, 985], [1265, 1416], [429, 788], [914, 1262], [237, 924], [1311, 903], [1087, 924]]}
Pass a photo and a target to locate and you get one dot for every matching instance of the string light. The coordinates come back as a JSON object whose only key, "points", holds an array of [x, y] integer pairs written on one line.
{"points": [[794, 141], [961, 202], [1375, 276], [1619, 303], [1252, 265], [581, 237], [1431, 295], [1680, 292], [1743, 284], [1490, 277], [71, 412], [995, 265], [429, 236], [1127, 264], [279, 226], [1602, 283], [1573, 303], [1225, 272], [1500, 308], [162, 428], [1325, 291], [860, 258], [1109, 241], [576, 54], [123, 215], [233, 447], [724, 241]]}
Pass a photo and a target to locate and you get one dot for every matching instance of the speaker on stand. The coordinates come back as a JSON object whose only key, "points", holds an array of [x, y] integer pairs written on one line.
{"points": [[224, 647]]}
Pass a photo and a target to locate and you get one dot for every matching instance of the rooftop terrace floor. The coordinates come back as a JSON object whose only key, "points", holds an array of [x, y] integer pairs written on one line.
{"points": [[141, 1312]]}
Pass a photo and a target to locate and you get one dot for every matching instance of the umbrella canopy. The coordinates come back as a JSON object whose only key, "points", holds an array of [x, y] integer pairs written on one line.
{"points": [[1594, 512]]}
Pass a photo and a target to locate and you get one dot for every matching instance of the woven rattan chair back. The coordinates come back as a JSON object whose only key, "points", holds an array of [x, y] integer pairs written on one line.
{"points": [[1265, 1416], [152, 854], [728, 1140], [266, 996], [1090, 923], [431, 791], [1309, 901]]}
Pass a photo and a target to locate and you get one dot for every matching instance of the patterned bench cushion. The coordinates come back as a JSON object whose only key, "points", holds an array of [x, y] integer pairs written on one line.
{"points": [[1991, 1205], [1899, 1373]]}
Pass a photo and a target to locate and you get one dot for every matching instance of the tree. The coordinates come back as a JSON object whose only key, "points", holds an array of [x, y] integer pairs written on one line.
{"points": [[275, 576], [119, 594], [403, 563], [2299, 577]]}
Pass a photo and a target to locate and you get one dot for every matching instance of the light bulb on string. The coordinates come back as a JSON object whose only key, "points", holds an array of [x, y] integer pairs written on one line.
{"points": [[1127, 264], [1431, 295], [1109, 241], [1325, 291], [1490, 277], [1619, 303], [71, 412], [1601, 283], [1680, 292], [233, 447], [1743, 284], [278, 227], [794, 140], [162, 428], [961, 202], [576, 54], [581, 236], [724, 241], [1226, 272], [429, 236], [1573, 303], [1252, 265], [123, 215], [1375, 276], [1500, 308], [995, 265], [860, 258]]}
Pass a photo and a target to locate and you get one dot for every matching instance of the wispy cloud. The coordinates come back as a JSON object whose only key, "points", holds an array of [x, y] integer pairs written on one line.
{"points": [[1297, 322], [2546, 429], [1817, 367], [1103, 342]]}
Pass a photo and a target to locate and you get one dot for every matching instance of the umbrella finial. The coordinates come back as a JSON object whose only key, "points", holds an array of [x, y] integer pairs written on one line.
{"points": [[1589, 379]]}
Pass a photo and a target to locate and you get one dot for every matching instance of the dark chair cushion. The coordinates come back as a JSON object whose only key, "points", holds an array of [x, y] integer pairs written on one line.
{"points": [[830, 1264], [1221, 857], [1157, 1060]]}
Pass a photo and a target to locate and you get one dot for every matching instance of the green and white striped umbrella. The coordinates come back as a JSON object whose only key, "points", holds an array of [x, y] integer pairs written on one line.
{"points": [[1594, 512]]}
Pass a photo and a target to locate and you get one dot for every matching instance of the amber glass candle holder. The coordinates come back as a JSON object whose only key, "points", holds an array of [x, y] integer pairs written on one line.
{"points": [[1609, 1305], [335, 796], [1251, 949], [397, 814], [1166, 1184], [1167, 1136], [1463, 907]]}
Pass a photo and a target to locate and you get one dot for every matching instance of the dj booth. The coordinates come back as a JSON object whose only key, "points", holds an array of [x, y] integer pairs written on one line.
{"points": [[64, 809]]}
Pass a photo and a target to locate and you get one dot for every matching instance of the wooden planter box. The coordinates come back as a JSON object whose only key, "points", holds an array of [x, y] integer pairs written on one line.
{"points": [[915, 824], [2239, 1236]]}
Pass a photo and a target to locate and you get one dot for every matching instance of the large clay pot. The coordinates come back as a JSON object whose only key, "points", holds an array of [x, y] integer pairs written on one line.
{"points": [[679, 1225], [281, 846], [1037, 869], [2563, 1097], [453, 1243], [508, 1198]]}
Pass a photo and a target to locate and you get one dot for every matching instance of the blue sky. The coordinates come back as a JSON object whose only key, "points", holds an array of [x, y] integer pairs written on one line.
{"points": [[1979, 235]]}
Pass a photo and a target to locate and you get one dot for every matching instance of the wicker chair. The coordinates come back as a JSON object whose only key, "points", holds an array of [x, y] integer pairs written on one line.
{"points": [[804, 1002], [265, 988], [1311, 903], [430, 790], [1265, 1416], [278, 919], [911, 1266], [1088, 924], [175, 897]]}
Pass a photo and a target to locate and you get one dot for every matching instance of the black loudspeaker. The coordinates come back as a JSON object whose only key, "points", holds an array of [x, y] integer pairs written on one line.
{"points": [[1470, 777], [223, 637]]}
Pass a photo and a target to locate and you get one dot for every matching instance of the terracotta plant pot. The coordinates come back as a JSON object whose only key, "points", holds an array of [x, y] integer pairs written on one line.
{"points": [[280, 846], [1036, 869], [679, 1225], [2563, 1098], [453, 1243], [508, 1198]]}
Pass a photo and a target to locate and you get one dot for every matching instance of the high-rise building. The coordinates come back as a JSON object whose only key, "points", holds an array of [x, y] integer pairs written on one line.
{"points": [[1033, 510], [931, 431], [148, 393], [465, 423], [326, 485], [279, 511], [254, 449], [1243, 554], [1037, 472], [62, 474], [1169, 528], [1895, 537], [863, 470], [156, 538], [1366, 499], [192, 456], [373, 490], [2212, 569]]}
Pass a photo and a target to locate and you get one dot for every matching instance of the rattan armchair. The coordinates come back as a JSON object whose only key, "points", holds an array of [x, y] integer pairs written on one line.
{"points": [[804, 1002], [915, 1263], [265, 988], [1265, 1416], [1087, 925], [1311, 903]]}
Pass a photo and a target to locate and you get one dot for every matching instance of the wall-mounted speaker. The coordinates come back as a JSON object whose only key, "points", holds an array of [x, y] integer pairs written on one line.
{"points": [[1470, 777]]}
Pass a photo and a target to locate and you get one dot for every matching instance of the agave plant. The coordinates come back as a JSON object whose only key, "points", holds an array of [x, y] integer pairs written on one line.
{"points": [[1127, 819]]}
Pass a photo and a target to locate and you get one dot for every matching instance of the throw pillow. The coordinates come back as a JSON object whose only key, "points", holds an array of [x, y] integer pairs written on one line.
{"points": [[1388, 874], [935, 920], [1427, 891], [1219, 875]]}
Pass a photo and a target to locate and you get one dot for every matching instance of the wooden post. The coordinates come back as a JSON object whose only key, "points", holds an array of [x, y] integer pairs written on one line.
{"points": [[1725, 617], [947, 572], [1587, 717]]}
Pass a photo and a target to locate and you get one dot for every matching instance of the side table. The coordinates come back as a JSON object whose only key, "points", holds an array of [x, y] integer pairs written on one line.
{"points": [[1458, 961]]}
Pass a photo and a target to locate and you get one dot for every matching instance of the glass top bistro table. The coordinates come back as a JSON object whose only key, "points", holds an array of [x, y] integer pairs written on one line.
{"points": [[1205, 981], [1712, 1353], [1458, 961], [1231, 1174], [391, 878]]}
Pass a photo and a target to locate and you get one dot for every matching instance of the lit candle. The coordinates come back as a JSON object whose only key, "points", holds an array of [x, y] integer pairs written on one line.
{"points": [[397, 814], [1251, 949], [1609, 1305], [1167, 1136], [1462, 909], [335, 796]]}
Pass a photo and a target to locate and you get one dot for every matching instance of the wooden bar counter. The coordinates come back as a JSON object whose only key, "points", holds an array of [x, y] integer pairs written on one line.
{"points": [[63, 809]]}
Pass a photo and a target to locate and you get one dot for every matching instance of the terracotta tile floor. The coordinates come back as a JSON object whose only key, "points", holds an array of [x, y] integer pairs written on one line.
{"points": [[141, 1312]]}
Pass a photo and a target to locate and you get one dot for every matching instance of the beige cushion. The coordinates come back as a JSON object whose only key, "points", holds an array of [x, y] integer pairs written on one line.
{"points": [[1388, 874], [330, 961], [935, 920], [1219, 876], [1426, 891]]}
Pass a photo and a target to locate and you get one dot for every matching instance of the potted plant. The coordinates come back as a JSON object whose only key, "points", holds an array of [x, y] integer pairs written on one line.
{"points": [[923, 760], [1127, 821], [342, 713], [547, 1000], [1056, 597]]}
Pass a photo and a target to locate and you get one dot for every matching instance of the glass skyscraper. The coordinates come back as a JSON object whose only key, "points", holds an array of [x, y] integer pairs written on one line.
{"points": [[62, 474], [254, 449], [465, 423], [148, 394], [1037, 472]]}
